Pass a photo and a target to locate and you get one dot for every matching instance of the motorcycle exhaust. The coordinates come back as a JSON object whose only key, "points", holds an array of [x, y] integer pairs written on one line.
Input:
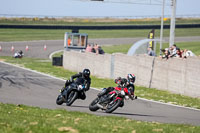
{"points": [[100, 106]]}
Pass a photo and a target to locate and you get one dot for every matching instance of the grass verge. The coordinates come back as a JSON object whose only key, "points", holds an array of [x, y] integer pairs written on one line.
{"points": [[148, 93], [20, 118], [193, 46], [47, 34]]}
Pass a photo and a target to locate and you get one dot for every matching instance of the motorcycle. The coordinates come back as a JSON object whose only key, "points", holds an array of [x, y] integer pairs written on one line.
{"points": [[18, 54], [71, 92], [111, 101]]}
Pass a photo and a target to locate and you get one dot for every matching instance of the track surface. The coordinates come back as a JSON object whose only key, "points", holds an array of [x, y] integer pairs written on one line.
{"points": [[19, 86]]}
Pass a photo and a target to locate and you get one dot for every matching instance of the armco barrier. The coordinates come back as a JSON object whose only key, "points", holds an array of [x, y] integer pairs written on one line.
{"points": [[105, 27], [180, 76]]}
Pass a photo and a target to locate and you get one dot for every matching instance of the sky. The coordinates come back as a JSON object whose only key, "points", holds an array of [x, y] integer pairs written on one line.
{"points": [[84, 8]]}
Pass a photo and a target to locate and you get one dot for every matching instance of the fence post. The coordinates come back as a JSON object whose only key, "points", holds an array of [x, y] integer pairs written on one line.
{"points": [[152, 68], [112, 66]]}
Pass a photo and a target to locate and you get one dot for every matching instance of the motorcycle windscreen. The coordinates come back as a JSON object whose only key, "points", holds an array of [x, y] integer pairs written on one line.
{"points": [[80, 81]]}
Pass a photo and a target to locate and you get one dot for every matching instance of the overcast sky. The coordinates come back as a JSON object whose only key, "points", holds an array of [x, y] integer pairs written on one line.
{"points": [[83, 8]]}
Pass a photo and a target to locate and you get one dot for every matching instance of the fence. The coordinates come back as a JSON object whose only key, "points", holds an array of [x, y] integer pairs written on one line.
{"points": [[180, 76]]}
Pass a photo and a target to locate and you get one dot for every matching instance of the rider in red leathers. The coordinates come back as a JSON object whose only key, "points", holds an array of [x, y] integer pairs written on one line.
{"points": [[122, 83]]}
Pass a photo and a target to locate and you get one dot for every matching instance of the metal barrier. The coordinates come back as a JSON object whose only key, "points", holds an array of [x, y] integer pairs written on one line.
{"points": [[108, 27]]}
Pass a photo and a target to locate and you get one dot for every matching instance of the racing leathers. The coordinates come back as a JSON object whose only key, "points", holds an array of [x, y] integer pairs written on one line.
{"points": [[86, 84]]}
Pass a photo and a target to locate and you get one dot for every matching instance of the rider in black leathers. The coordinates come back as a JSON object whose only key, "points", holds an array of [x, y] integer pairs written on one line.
{"points": [[87, 81]]}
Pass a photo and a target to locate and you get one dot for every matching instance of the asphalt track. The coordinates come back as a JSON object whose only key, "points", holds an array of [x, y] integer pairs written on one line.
{"points": [[20, 86]]}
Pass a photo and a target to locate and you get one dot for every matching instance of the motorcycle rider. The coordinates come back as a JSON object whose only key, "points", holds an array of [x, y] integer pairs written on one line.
{"points": [[87, 81], [122, 83], [130, 85], [105, 91]]}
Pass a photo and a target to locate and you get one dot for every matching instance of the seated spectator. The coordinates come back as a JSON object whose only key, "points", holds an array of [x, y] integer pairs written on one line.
{"points": [[187, 53], [166, 53], [171, 50], [150, 52], [174, 50], [178, 53], [96, 48], [93, 49], [100, 50], [88, 48]]}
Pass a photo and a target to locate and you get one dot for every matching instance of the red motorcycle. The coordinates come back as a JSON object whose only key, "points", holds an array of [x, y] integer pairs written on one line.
{"points": [[111, 101]]}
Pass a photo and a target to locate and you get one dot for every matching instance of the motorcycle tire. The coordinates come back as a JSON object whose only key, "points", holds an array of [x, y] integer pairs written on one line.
{"points": [[59, 100], [93, 105], [71, 97], [113, 107]]}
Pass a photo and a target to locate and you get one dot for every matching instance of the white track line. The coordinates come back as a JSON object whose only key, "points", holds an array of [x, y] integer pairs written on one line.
{"points": [[50, 56], [96, 88]]}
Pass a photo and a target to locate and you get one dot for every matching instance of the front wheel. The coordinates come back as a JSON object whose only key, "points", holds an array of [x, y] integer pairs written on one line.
{"points": [[71, 97], [93, 105], [59, 100], [113, 106]]}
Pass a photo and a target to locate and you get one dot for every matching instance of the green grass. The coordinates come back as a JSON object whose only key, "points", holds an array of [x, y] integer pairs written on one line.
{"points": [[58, 54], [117, 48], [24, 119], [44, 34], [193, 46], [149, 93]]}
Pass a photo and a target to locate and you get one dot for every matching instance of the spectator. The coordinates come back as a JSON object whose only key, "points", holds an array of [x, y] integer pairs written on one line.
{"points": [[96, 48], [166, 53], [187, 53], [69, 41], [150, 52], [89, 48], [178, 53], [173, 52], [93, 49], [100, 50]]}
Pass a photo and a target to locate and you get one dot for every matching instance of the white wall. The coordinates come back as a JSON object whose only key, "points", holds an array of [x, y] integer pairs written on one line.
{"points": [[180, 76]]}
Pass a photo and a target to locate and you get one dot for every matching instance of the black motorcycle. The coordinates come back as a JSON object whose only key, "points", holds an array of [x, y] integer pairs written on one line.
{"points": [[70, 93]]}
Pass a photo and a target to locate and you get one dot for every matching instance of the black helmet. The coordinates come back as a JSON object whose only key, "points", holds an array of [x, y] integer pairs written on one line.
{"points": [[86, 73], [131, 78]]}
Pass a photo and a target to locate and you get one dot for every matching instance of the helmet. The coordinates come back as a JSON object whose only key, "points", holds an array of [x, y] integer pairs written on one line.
{"points": [[120, 81], [131, 78], [86, 73]]}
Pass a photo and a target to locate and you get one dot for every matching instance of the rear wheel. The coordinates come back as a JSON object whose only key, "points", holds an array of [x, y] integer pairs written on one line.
{"points": [[113, 106], [59, 100], [93, 105], [71, 97]]}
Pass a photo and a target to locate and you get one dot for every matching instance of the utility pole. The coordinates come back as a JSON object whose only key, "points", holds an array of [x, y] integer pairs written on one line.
{"points": [[173, 23], [161, 28]]}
